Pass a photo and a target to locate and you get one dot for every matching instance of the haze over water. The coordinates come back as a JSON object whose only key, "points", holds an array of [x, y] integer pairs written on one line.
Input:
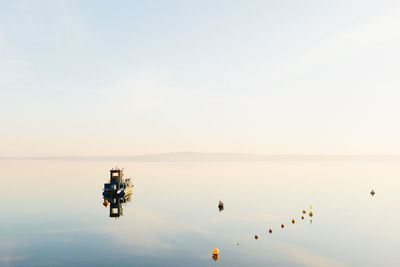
{"points": [[57, 217]]}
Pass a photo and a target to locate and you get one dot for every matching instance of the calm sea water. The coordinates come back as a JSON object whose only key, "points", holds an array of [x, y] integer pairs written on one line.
{"points": [[52, 214]]}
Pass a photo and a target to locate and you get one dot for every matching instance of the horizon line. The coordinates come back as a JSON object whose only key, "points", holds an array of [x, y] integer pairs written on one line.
{"points": [[210, 156]]}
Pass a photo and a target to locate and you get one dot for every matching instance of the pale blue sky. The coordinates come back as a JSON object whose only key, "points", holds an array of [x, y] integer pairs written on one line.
{"points": [[134, 77]]}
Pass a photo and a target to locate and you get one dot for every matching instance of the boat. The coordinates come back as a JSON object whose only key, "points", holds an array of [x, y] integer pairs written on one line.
{"points": [[118, 186]]}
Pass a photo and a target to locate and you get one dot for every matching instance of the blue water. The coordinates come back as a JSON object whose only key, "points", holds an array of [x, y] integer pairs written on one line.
{"points": [[53, 214]]}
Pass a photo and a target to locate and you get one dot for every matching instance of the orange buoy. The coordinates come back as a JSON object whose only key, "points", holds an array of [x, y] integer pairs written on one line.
{"points": [[282, 225], [256, 236], [311, 213], [215, 251], [215, 257], [293, 221], [105, 203], [270, 230]]}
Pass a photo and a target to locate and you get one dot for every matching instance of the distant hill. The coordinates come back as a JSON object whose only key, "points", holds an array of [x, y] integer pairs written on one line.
{"points": [[218, 157]]}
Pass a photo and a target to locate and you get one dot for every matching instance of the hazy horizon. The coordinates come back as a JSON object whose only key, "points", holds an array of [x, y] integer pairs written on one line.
{"points": [[219, 157]]}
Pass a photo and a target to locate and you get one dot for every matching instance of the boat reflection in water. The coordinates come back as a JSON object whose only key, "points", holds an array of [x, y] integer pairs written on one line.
{"points": [[117, 191], [116, 205]]}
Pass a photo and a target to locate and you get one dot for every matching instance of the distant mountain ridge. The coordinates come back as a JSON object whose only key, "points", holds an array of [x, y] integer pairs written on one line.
{"points": [[218, 157]]}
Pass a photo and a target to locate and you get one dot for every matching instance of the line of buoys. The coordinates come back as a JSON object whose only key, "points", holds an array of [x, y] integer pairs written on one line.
{"points": [[294, 221], [302, 217], [215, 251]]}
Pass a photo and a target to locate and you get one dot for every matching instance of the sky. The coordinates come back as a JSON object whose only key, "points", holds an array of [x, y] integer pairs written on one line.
{"points": [[141, 77]]}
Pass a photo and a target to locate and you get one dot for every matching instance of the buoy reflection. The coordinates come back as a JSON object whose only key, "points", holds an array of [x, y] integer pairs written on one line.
{"points": [[215, 257]]}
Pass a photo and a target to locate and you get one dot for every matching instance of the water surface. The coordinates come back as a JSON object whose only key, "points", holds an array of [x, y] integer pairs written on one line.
{"points": [[53, 214]]}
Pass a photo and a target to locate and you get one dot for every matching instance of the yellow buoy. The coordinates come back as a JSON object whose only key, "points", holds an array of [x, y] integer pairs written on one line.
{"points": [[293, 221], [310, 207], [304, 211], [310, 214], [215, 251]]}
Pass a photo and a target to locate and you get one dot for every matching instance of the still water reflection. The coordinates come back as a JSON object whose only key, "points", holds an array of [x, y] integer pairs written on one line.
{"points": [[117, 191], [52, 214], [116, 204]]}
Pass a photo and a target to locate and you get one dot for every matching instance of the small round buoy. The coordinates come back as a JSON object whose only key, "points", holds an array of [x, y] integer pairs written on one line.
{"points": [[302, 217], [293, 221], [304, 211], [311, 214], [282, 225], [215, 257], [215, 251], [310, 220], [256, 236], [105, 203], [372, 192], [270, 230]]}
